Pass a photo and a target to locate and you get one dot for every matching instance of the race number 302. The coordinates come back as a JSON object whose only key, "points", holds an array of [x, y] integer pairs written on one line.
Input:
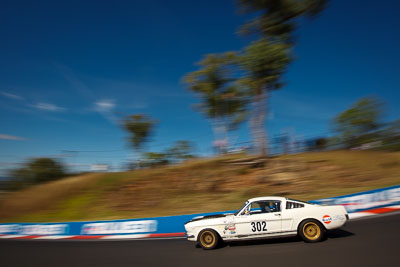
{"points": [[258, 226]]}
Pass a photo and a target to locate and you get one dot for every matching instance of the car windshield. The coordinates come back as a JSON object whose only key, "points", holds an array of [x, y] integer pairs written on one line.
{"points": [[244, 205]]}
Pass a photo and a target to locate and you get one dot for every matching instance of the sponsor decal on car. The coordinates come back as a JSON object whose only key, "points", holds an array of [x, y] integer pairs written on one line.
{"points": [[339, 218], [327, 219], [230, 229]]}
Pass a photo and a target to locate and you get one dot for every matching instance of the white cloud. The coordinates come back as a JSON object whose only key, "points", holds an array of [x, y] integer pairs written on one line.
{"points": [[105, 108], [104, 105], [11, 137], [12, 96], [48, 107]]}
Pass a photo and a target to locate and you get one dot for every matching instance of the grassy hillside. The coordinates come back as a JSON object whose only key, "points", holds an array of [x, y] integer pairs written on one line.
{"points": [[200, 186]]}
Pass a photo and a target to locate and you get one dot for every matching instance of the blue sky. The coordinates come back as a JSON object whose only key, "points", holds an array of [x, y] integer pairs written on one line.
{"points": [[69, 68]]}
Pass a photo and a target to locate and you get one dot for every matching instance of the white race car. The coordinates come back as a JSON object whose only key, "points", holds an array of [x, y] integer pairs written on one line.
{"points": [[265, 217]]}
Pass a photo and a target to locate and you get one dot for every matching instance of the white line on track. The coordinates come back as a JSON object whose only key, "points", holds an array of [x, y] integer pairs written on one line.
{"points": [[11, 236], [54, 237], [375, 216], [136, 236]]}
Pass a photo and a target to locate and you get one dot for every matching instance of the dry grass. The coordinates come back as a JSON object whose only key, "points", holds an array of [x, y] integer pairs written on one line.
{"points": [[201, 186], [41, 196]]}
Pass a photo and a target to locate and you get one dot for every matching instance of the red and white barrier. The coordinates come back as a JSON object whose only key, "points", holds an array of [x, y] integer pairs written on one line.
{"points": [[89, 237], [356, 215]]}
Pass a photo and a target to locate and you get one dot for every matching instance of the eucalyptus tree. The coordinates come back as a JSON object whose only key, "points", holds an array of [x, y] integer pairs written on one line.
{"points": [[267, 58], [221, 99], [278, 19], [359, 124], [264, 64], [36, 170], [140, 128], [181, 150]]}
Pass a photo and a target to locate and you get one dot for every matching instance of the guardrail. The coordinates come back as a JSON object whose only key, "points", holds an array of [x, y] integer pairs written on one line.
{"points": [[359, 204]]}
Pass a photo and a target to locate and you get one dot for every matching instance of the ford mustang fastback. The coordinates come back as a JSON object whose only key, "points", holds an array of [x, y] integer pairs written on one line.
{"points": [[265, 217]]}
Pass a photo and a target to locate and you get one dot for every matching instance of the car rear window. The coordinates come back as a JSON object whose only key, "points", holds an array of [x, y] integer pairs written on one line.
{"points": [[293, 205]]}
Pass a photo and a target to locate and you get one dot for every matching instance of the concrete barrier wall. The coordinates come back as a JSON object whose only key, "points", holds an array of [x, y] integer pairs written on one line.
{"points": [[369, 202], [139, 228], [365, 201]]}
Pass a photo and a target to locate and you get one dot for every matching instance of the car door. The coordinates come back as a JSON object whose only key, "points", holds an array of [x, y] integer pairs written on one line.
{"points": [[258, 219]]}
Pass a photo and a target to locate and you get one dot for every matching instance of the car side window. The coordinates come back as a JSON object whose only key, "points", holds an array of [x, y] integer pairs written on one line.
{"points": [[265, 206], [293, 205]]}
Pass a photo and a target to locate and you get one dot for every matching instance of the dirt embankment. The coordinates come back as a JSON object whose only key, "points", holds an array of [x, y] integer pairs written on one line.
{"points": [[202, 185]]}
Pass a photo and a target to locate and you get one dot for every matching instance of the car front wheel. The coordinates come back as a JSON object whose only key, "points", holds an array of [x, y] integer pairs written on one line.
{"points": [[208, 239], [311, 231]]}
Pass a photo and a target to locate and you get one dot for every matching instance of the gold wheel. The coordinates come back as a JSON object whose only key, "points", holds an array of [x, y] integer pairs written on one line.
{"points": [[311, 231], [207, 239]]}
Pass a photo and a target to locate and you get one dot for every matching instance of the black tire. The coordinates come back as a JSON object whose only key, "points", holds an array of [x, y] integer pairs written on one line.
{"points": [[311, 231], [208, 239]]}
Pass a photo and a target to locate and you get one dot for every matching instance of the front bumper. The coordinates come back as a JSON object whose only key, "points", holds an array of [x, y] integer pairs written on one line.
{"points": [[190, 237]]}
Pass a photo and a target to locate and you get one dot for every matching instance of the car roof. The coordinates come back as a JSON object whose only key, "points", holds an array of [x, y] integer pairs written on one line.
{"points": [[267, 198]]}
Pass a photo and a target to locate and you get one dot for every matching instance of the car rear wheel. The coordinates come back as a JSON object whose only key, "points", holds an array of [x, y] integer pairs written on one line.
{"points": [[311, 231], [208, 239]]}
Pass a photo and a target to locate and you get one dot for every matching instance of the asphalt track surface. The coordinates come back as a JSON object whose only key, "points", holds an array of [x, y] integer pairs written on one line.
{"points": [[367, 242]]}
